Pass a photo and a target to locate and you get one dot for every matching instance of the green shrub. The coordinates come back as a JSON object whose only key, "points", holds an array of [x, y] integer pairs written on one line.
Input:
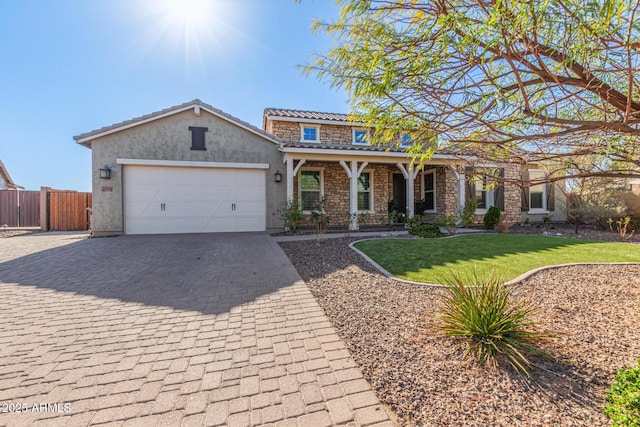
{"points": [[449, 222], [468, 212], [623, 398], [492, 218], [291, 214], [480, 311], [320, 219], [425, 230]]}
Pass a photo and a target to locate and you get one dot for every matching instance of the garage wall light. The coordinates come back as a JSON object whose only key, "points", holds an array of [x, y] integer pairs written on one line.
{"points": [[105, 172], [278, 176]]}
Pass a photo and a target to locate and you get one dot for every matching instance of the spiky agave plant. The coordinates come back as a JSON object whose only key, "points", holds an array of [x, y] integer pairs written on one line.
{"points": [[481, 311]]}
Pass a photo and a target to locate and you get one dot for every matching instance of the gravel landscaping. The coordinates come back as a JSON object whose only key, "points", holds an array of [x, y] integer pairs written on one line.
{"points": [[594, 312]]}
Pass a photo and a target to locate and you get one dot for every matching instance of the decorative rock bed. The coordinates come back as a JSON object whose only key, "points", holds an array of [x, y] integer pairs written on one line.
{"points": [[388, 327]]}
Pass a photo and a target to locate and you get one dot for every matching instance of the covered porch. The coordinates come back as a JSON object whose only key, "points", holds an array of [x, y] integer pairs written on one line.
{"points": [[369, 188]]}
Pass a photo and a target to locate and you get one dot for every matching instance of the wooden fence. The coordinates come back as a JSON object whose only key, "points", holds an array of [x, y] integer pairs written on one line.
{"points": [[19, 208], [68, 210], [48, 209]]}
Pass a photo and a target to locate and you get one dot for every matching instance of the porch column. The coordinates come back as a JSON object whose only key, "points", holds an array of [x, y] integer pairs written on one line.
{"points": [[461, 189], [409, 177], [291, 173], [289, 162], [353, 172]]}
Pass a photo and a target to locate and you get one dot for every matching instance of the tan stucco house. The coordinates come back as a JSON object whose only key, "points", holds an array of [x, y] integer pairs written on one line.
{"points": [[192, 168]]}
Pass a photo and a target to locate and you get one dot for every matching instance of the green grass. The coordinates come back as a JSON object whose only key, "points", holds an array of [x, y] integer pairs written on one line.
{"points": [[509, 255]]}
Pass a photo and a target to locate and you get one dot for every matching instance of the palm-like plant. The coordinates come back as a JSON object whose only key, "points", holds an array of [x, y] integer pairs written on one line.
{"points": [[489, 322]]}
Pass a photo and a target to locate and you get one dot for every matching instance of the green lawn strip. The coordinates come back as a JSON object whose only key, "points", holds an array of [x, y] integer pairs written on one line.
{"points": [[431, 260]]}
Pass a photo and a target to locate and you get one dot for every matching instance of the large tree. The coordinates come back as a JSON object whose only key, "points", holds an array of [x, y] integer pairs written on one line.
{"points": [[530, 80]]}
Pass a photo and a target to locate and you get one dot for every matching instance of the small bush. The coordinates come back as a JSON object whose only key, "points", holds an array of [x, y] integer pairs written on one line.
{"points": [[492, 218], [468, 212], [481, 312], [425, 230], [449, 222], [623, 398], [291, 214], [503, 227], [320, 219]]}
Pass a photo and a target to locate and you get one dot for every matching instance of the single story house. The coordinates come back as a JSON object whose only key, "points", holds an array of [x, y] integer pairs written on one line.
{"points": [[6, 183], [193, 168]]}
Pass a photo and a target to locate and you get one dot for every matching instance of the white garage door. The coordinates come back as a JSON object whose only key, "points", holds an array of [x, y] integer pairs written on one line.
{"points": [[162, 200]]}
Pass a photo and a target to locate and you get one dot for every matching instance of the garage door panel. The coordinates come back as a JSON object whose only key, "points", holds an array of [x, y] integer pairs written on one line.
{"points": [[185, 177], [249, 223], [145, 225], [181, 193], [248, 194], [217, 194], [195, 200], [143, 175], [182, 209], [249, 178], [218, 224], [182, 225], [217, 177], [144, 192]]}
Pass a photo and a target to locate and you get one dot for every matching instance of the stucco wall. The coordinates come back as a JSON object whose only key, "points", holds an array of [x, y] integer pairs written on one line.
{"points": [[169, 138]]}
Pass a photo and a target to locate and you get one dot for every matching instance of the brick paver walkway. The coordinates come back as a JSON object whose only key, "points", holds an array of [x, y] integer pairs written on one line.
{"points": [[189, 330]]}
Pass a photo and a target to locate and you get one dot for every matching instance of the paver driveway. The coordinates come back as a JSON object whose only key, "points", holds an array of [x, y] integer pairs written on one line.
{"points": [[168, 330]]}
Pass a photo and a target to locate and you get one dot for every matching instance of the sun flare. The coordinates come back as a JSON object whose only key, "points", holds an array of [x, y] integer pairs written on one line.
{"points": [[188, 15]]}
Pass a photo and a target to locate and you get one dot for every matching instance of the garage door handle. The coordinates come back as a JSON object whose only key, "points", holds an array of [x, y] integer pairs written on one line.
{"points": [[162, 206], [233, 206]]}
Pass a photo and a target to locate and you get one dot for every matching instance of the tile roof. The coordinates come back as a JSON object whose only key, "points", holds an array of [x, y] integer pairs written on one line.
{"points": [[343, 147], [302, 114], [176, 108]]}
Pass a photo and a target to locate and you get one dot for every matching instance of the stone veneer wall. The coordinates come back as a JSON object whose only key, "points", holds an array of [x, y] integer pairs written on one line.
{"points": [[512, 197], [336, 191], [329, 134]]}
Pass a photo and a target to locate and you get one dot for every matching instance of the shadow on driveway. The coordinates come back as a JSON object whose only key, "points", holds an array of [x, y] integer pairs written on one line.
{"points": [[209, 273]]}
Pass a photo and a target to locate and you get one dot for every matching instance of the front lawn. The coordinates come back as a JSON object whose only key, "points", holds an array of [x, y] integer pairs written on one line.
{"points": [[430, 260]]}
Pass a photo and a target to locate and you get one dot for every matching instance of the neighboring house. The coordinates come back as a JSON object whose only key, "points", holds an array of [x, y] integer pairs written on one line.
{"points": [[6, 183], [193, 168]]}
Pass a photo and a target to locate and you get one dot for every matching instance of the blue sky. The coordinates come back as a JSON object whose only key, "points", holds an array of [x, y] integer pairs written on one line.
{"points": [[69, 67]]}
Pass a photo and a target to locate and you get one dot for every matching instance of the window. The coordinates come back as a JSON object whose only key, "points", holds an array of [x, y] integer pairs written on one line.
{"points": [[310, 182], [309, 133], [365, 196], [405, 141], [481, 193], [360, 137], [479, 186], [197, 138], [429, 185], [537, 192]]}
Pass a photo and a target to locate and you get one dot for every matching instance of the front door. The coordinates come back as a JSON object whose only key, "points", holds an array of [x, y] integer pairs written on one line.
{"points": [[399, 192]]}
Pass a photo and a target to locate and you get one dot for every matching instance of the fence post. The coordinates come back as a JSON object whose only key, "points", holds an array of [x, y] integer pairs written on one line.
{"points": [[44, 209]]}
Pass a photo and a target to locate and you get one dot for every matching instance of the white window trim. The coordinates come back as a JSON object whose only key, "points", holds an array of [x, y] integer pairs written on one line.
{"points": [[536, 173], [372, 204], [489, 197], [353, 136], [317, 128], [435, 192], [321, 170]]}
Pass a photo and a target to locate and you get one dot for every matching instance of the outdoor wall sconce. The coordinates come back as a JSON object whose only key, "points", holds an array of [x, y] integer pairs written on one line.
{"points": [[105, 172], [278, 176]]}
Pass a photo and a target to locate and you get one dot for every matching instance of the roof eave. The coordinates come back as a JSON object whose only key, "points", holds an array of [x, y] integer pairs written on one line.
{"points": [[86, 138]]}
